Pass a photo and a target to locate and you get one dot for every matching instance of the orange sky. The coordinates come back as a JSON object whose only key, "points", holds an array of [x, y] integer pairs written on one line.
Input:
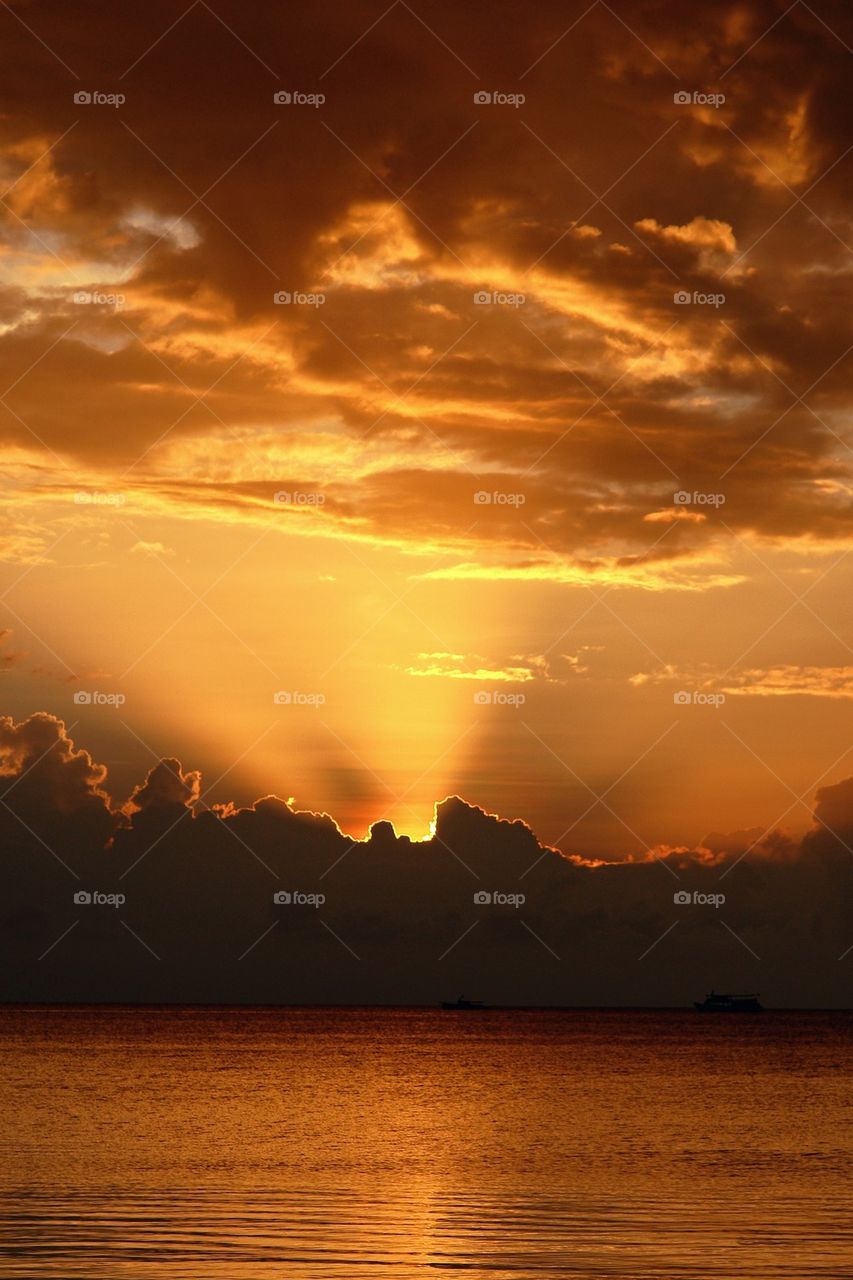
{"points": [[481, 545]]}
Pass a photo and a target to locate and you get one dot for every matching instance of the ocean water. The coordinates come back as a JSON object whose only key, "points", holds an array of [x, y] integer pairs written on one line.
{"points": [[355, 1143]]}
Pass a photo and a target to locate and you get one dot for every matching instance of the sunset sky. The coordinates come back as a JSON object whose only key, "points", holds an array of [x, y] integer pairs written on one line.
{"points": [[554, 426]]}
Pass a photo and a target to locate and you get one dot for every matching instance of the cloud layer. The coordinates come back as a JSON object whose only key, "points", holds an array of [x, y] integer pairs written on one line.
{"points": [[184, 902], [400, 200]]}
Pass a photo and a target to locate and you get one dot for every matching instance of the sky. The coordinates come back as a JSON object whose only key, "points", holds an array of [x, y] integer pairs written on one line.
{"points": [[412, 401]]}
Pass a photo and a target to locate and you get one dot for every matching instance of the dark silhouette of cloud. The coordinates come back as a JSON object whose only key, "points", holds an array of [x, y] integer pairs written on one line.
{"points": [[167, 788], [269, 903]]}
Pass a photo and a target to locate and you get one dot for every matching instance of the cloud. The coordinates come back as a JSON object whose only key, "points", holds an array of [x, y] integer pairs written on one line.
{"points": [[794, 681], [786, 680], [712, 241], [460, 666], [834, 810], [52, 790], [673, 515], [517, 669], [198, 350], [481, 904], [166, 787], [151, 549]]}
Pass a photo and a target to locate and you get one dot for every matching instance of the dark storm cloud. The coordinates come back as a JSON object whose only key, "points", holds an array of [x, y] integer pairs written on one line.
{"points": [[189, 911]]}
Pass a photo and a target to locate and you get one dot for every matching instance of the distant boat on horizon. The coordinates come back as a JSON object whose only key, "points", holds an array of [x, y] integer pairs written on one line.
{"points": [[714, 1002], [462, 1003]]}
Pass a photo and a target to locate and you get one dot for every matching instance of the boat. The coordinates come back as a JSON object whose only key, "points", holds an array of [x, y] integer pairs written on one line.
{"points": [[462, 1003], [714, 1002]]}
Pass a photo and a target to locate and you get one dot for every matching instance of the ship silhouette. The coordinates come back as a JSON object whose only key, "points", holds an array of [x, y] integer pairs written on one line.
{"points": [[462, 1003], [714, 1002]]}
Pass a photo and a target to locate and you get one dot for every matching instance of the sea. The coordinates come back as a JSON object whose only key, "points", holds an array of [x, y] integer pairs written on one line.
{"points": [[365, 1144]]}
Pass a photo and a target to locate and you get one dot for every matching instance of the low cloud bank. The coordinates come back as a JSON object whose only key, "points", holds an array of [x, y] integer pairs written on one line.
{"points": [[161, 899]]}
